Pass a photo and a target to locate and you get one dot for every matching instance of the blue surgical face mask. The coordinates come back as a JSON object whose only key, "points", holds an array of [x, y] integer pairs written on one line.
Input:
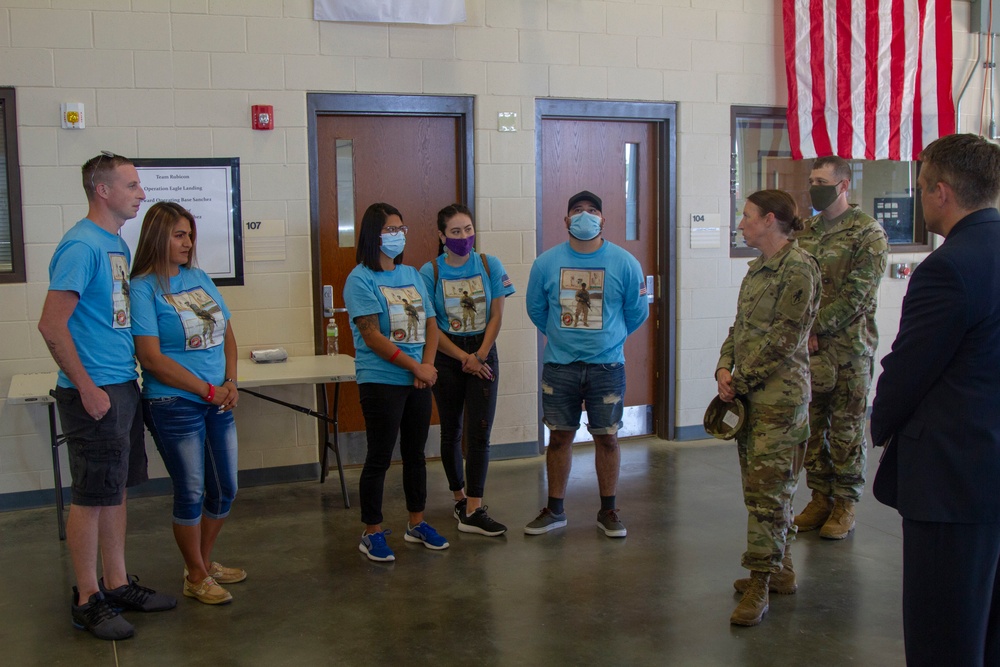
{"points": [[393, 244], [585, 226]]}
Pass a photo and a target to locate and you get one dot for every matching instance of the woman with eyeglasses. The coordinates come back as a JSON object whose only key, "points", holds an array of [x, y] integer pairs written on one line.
{"points": [[469, 289], [395, 338], [185, 344]]}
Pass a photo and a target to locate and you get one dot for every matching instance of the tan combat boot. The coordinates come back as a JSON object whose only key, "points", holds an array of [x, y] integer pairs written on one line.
{"points": [[753, 606], [782, 583], [816, 513], [841, 522]]}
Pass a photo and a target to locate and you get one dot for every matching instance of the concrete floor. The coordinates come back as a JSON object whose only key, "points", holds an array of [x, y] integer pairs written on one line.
{"points": [[661, 596]]}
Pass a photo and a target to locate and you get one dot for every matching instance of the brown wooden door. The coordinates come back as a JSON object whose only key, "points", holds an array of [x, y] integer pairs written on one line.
{"points": [[411, 162], [590, 155]]}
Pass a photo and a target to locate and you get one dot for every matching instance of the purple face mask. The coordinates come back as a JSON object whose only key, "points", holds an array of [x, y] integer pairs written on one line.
{"points": [[460, 247]]}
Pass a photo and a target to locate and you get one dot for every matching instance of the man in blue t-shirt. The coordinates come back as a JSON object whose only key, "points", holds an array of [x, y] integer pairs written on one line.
{"points": [[586, 296], [86, 324]]}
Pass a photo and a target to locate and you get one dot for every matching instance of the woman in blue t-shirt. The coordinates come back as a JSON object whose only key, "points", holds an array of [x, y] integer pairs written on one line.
{"points": [[469, 289], [185, 344], [395, 339]]}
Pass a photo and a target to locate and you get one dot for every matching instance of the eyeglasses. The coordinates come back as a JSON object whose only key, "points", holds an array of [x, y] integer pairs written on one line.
{"points": [[104, 154], [392, 231]]}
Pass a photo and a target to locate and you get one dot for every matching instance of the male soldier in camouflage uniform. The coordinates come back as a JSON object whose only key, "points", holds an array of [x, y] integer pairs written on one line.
{"points": [[765, 358], [851, 248]]}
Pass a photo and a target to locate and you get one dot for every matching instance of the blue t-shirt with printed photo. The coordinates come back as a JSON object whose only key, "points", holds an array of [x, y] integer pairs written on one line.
{"points": [[402, 303], [463, 294], [93, 263], [190, 319], [586, 304]]}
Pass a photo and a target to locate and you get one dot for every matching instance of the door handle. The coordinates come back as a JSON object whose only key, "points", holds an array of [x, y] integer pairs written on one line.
{"points": [[650, 289]]}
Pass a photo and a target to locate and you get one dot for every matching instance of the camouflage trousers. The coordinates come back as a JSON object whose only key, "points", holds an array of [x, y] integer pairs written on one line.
{"points": [[771, 446], [836, 455]]}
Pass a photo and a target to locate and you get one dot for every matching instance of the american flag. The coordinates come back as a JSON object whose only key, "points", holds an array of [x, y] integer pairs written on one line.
{"points": [[868, 79], [506, 280]]}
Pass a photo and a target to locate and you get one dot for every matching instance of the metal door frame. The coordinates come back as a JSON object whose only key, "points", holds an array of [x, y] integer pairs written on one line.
{"points": [[319, 104], [664, 115]]}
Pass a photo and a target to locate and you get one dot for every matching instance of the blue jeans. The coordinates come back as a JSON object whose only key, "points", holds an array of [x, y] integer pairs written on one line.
{"points": [[198, 446], [600, 387], [462, 397]]}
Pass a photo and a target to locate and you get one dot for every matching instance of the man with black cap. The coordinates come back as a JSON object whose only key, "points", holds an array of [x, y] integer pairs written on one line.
{"points": [[584, 362]]}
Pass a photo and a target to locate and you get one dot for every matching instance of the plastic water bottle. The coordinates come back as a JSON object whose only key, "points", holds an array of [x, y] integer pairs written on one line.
{"points": [[332, 346]]}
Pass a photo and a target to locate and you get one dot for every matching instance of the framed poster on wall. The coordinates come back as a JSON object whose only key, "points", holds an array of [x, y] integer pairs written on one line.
{"points": [[210, 189]]}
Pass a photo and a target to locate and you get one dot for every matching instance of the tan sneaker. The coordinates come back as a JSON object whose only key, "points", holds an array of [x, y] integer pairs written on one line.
{"points": [[815, 513], [207, 591], [226, 575], [754, 604], [841, 522], [223, 574]]}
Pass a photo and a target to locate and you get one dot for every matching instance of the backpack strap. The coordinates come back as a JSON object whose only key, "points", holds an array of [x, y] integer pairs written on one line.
{"points": [[486, 264]]}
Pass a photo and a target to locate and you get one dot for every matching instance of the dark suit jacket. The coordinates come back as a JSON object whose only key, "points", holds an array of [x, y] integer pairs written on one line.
{"points": [[938, 398]]}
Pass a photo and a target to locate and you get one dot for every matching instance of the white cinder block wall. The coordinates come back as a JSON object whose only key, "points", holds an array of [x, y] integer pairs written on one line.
{"points": [[176, 78]]}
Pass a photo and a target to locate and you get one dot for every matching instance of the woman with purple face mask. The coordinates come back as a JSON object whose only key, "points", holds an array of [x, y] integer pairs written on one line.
{"points": [[469, 289]]}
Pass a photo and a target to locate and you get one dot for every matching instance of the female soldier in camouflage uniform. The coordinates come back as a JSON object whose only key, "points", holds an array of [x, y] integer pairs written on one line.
{"points": [[765, 359]]}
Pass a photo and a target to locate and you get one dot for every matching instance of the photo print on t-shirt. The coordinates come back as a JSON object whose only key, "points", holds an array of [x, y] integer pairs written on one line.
{"points": [[581, 294], [202, 318], [122, 315], [465, 304], [406, 313]]}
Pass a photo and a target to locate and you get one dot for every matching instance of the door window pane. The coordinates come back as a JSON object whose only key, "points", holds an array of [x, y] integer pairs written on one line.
{"points": [[631, 192], [345, 193]]}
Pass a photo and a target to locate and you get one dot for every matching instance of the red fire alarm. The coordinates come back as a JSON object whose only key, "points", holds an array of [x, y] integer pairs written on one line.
{"points": [[262, 116]]}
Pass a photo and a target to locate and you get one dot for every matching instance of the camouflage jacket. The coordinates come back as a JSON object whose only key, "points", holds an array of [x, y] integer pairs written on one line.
{"points": [[766, 349], [852, 251]]}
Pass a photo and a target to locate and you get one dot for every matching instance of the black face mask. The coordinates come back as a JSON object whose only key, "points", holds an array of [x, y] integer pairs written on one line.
{"points": [[821, 196]]}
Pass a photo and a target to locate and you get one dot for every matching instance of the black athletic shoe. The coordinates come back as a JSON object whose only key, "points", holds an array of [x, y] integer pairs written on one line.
{"points": [[98, 618], [134, 597], [480, 522], [460, 508]]}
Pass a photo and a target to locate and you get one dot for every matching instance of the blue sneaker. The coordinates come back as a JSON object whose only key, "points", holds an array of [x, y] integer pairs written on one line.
{"points": [[424, 533], [375, 548]]}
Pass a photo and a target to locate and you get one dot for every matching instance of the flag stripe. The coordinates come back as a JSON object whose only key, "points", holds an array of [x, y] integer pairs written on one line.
{"points": [[844, 68], [821, 135], [867, 79], [943, 54], [791, 35], [871, 76]]}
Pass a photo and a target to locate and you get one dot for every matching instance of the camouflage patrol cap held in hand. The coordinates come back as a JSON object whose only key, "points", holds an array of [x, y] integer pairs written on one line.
{"points": [[724, 420]]}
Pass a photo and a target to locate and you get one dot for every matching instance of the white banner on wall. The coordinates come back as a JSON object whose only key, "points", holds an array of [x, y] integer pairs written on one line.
{"points": [[433, 12]]}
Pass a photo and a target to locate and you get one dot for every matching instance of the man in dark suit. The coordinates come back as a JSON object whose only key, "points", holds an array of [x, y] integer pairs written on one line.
{"points": [[937, 410]]}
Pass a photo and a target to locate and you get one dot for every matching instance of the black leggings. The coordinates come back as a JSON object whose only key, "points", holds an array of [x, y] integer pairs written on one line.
{"points": [[460, 395], [392, 410]]}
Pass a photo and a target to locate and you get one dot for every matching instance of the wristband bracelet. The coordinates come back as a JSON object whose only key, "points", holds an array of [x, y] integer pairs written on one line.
{"points": [[211, 392], [231, 380], [394, 355], [478, 358]]}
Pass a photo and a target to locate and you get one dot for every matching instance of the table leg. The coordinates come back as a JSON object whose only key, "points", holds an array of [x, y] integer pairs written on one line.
{"points": [[56, 472], [324, 459]]}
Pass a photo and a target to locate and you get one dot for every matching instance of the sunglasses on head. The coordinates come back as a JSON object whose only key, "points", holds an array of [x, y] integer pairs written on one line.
{"points": [[104, 154]]}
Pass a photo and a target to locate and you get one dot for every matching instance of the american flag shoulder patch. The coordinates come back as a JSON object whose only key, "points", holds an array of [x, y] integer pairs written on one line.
{"points": [[642, 288], [506, 280]]}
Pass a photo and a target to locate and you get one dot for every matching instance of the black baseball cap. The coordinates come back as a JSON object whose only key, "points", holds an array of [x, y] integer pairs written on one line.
{"points": [[585, 195]]}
